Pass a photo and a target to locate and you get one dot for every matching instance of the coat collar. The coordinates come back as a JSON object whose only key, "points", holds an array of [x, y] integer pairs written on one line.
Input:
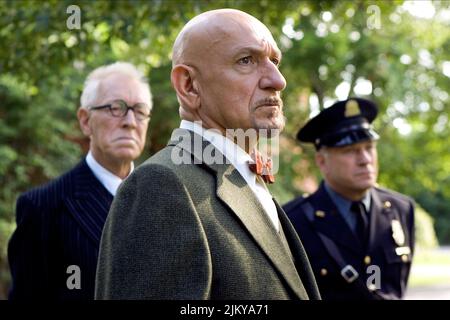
{"points": [[89, 201], [331, 223], [232, 189]]}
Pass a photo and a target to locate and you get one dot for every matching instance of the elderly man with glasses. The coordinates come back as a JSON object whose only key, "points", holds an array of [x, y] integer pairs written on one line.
{"points": [[53, 252]]}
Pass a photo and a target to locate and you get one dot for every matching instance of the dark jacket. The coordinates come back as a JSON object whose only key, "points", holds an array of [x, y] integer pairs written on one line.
{"points": [[58, 225], [381, 251]]}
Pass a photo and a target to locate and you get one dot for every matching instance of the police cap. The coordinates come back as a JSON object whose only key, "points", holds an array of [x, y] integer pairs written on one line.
{"points": [[345, 122]]}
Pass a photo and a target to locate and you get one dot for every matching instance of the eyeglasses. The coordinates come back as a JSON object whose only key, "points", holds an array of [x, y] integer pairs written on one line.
{"points": [[119, 109]]}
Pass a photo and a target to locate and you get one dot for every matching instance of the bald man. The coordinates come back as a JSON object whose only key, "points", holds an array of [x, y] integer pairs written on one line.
{"points": [[194, 222]]}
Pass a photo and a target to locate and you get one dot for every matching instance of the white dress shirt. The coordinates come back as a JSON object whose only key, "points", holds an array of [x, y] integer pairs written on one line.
{"points": [[239, 159], [108, 179]]}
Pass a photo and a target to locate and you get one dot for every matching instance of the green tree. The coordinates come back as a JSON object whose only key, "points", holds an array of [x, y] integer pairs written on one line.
{"points": [[331, 49]]}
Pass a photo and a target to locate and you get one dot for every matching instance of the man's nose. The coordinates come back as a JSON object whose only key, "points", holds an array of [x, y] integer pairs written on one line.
{"points": [[365, 156], [129, 119], [272, 77]]}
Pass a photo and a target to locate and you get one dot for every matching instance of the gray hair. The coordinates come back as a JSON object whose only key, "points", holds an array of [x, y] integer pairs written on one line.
{"points": [[90, 90]]}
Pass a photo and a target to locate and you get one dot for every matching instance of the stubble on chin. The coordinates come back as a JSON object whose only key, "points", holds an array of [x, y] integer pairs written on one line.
{"points": [[273, 125]]}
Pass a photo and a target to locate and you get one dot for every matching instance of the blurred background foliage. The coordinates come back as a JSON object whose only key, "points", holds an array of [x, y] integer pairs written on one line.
{"points": [[396, 53]]}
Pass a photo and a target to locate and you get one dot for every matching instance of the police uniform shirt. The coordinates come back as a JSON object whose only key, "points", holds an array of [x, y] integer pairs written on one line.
{"points": [[343, 205]]}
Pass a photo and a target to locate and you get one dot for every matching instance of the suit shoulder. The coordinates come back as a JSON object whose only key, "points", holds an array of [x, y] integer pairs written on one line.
{"points": [[155, 171], [294, 204], [387, 194], [49, 194], [159, 163], [40, 201], [169, 162]]}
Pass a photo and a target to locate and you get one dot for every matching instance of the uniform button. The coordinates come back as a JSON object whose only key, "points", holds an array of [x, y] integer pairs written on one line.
{"points": [[387, 204], [323, 272], [320, 214], [367, 260], [404, 258]]}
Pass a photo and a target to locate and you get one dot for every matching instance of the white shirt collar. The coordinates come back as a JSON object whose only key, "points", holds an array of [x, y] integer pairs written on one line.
{"points": [[108, 179], [234, 154], [239, 159]]}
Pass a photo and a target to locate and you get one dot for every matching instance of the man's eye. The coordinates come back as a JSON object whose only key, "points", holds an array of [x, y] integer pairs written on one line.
{"points": [[246, 60], [347, 150], [141, 112], [276, 61]]}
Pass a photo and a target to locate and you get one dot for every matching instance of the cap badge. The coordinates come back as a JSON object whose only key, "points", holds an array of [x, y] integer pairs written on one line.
{"points": [[352, 109]]}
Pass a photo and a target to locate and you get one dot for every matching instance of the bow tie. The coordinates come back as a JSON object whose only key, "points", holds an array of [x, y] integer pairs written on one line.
{"points": [[261, 168]]}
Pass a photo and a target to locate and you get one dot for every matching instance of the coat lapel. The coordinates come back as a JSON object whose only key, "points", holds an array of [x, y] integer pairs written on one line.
{"points": [[89, 202], [237, 195], [331, 223], [380, 222], [233, 190], [298, 251]]}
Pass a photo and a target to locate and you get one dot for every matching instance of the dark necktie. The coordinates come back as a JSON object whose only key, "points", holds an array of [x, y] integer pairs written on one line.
{"points": [[362, 221], [261, 168]]}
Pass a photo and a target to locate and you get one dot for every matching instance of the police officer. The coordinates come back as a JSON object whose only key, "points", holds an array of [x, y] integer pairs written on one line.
{"points": [[359, 237]]}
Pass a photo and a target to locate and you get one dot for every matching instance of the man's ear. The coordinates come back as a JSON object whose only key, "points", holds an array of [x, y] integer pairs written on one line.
{"points": [[83, 119], [185, 84], [320, 160]]}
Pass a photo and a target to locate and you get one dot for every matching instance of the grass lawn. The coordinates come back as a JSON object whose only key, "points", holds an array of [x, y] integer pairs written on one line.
{"points": [[430, 268]]}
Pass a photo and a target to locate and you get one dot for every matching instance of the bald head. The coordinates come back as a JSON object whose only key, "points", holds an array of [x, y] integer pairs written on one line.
{"points": [[207, 29], [225, 72]]}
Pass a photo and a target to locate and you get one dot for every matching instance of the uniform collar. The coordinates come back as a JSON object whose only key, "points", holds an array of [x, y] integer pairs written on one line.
{"points": [[344, 203]]}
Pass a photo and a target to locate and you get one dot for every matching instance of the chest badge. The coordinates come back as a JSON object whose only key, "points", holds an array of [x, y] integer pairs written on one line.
{"points": [[320, 214], [397, 232]]}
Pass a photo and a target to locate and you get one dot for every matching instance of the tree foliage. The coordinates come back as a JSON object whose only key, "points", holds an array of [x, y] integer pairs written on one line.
{"points": [[326, 45]]}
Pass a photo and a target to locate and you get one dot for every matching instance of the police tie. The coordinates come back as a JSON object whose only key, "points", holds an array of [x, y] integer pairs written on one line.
{"points": [[362, 221], [261, 168]]}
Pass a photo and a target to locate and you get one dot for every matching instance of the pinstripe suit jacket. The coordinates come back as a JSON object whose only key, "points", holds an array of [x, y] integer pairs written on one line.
{"points": [[196, 231], [58, 225]]}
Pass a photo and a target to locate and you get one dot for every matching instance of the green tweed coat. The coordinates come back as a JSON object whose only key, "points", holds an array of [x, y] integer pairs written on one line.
{"points": [[196, 231]]}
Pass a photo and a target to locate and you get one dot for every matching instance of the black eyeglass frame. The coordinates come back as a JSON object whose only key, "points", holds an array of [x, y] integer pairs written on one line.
{"points": [[124, 112]]}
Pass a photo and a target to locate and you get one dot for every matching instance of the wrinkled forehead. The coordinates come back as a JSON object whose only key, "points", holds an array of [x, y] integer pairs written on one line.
{"points": [[222, 32], [243, 30], [120, 86]]}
